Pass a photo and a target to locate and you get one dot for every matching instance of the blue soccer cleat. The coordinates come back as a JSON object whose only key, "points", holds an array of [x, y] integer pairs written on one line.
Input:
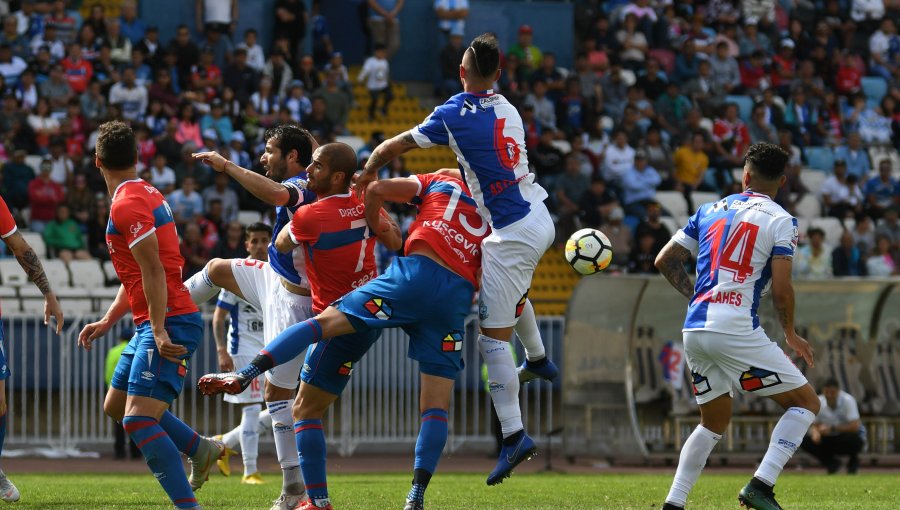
{"points": [[529, 370], [510, 457]]}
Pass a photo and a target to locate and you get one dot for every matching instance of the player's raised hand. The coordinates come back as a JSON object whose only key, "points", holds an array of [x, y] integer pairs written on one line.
{"points": [[52, 308], [801, 347], [212, 159], [363, 180], [92, 332], [167, 349]]}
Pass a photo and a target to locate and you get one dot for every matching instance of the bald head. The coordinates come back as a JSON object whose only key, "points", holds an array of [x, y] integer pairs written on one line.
{"points": [[339, 157]]}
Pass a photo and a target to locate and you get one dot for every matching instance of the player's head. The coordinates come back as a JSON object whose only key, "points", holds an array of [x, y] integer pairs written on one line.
{"points": [[116, 147], [288, 151], [332, 169], [480, 65], [259, 235], [764, 167]]}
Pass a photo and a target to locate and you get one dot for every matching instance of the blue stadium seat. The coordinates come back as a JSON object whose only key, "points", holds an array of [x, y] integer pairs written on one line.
{"points": [[874, 87], [819, 158], [745, 106]]}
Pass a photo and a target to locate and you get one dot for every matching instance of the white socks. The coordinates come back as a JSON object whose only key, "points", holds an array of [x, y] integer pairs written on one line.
{"points": [[201, 287], [286, 446], [503, 383], [265, 421], [232, 438], [529, 334], [250, 437], [690, 463], [786, 438]]}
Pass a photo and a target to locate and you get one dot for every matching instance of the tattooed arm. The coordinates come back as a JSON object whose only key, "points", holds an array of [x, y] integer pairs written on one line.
{"points": [[388, 151], [670, 262], [783, 298], [31, 264]]}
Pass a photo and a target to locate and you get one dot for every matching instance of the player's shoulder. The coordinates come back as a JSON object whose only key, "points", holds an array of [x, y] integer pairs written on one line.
{"points": [[298, 180]]}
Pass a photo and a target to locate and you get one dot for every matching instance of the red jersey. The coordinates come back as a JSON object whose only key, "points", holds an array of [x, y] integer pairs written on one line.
{"points": [[335, 240], [448, 222], [78, 74], [7, 223], [138, 210], [735, 138]]}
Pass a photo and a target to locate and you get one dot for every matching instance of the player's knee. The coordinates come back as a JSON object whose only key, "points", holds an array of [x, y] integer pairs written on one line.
{"points": [[308, 408], [216, 268], [114, 408]]}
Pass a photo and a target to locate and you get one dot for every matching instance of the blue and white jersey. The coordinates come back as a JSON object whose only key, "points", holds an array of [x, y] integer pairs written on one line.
{"points": [[734, 240], [290, 266], [245, 331], [487, 136]]}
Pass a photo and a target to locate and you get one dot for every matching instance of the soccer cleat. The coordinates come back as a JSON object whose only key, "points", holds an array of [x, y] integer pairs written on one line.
{"points": [[232, 383], [528, 371], [254, 479], [670, 506], [414, 505], [288, 501], [208, 452], [510, 457], [222, 462], [8, 491], [758, 496], [308, 504]]}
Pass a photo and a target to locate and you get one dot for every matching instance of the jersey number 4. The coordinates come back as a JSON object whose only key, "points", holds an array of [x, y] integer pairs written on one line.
{"points": [[737, 252]]}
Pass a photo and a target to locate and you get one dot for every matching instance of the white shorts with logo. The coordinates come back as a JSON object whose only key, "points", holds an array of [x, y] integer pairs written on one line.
{"points": [[751, 363], [254, 393], [508, 260], [261, 287]]}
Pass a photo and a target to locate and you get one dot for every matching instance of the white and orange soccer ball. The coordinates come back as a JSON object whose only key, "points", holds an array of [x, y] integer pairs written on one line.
{"points": [[588, 251]]}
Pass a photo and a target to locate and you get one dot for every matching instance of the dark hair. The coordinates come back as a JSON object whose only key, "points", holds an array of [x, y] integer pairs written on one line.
{"points": [[250, 31], [815, 231], [341, 158], [485, 55], [290, 137], [116, 148], [831, 382], [259, 227], [767, 160]]}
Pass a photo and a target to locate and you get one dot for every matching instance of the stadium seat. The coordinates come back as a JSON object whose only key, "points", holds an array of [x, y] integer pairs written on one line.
{"points": [[706, 124], [564, 146], [12, 274], [86, 274], [36, 241], [819, 158], [672, 202], [809, 207], [353, 141], [813, 181], [110, 273], [744, 104], [248, 217], [56, 272], [628, 77], [34, 161], [832, 227], [874, 87], [102, 297], [876, 154], [670, 224], [704, 197]]}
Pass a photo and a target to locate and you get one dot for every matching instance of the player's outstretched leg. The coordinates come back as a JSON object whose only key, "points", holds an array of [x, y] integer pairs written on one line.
{"points": [[250, 443], [537, 365], [8, 491], [201, 451], [162, 458]]}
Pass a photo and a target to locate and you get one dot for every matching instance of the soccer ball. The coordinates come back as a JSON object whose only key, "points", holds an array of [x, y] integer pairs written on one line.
{"points": [[588, 251]]}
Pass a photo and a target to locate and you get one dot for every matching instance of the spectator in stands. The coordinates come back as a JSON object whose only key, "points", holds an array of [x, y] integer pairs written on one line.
{"points": [[16, 177], [725, 70], [290, 21], [633, 43], [882, 191], [278, 71], [639, 185], [841, 193], [385, 25], [131, 25], [217, 121], [659, 154], [731, 139], [44, 125], [56, 89], [836, 431], [547, 160], [188, 129], [236, 150], [448, 61], [376, 73], [813, 260], [642, 256], [26, 91], [185, 202], [587, 161], [890, 227], [574, 111], [10, 36], [596, 203], [687, 63], [620, 237], [614, 91], [875, 124], [760, 130], [195, 254], [752, 40], [256, 59], [11, 65], [169, 145], [571, 185], [231, 244], [550, 76], [652, 225], [652, 80], [296, 103], [44, 195], [96, 229], [529, 55], [784, 66], [705, 90], [187, 54], [452, 16], [221, 191], [671, 109], [317, 122], [62, 235], [802, 117], [130, 97], [337, 104], [793, 190], [120, 46], [80, 200], [240, 76], [864, 234], [617, 159], [161, 176], [308, 74], [62, 167], [754, 77], [691, 163], [544, 109], [848, 259], [587, 77], [884, 50]]}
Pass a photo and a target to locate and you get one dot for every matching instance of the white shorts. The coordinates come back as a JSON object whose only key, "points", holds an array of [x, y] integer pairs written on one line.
{"points": [[261, 287], [752, 364], [508, 261], [252, 394]]}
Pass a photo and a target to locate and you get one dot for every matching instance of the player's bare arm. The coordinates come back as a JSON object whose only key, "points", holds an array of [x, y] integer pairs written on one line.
{"points": [[31, 264], [450, 172], [399, 190], [388, 151], [670, 262], [226, 364], [283, 242], [95, 330], [153, 276], [783, 298], [263, 188]]}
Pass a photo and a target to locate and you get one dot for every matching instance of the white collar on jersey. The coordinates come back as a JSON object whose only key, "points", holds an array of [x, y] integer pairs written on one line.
{"points": [[342, 195], [122, 184]]}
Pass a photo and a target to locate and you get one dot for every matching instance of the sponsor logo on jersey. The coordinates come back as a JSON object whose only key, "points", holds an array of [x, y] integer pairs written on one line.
{"points": [[758, 378], [379, 308], [346, 369], [700, 383], [452, 342], [486, 102], [352, 212]]}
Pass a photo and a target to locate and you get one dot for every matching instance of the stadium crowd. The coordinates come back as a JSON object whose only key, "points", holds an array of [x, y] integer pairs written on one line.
{"points": [[663, 96]]}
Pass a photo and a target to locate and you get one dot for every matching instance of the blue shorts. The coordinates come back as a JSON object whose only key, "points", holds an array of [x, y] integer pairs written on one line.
{"points": [[330, 362], [427, 300], [141, 371], [4, 366]]}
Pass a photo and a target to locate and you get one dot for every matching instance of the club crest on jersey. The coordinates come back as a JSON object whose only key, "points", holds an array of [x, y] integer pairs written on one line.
{"points": [[346, 369], [452, 342], [700, 383], [379, 308], [182, 368], [758, 378]]}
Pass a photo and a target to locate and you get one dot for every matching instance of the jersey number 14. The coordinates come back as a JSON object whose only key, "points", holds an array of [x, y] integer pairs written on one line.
{"points": [[737, 253]]}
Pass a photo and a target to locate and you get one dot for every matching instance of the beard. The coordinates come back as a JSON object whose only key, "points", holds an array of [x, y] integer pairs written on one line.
{"points": [[276, 171]]}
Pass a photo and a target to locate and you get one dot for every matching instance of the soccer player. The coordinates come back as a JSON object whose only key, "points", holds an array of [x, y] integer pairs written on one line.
{"points": [[427, 292], [487, 135], [245, 339], [742, 243], [278, 288], [30, 263], [144, 248]]}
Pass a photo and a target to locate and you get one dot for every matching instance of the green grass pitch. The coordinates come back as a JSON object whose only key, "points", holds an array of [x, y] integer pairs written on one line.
{"points": [[795, 491]]}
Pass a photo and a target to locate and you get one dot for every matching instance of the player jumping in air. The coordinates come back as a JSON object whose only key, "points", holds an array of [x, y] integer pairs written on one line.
{"points": [[335, 238], [279, 288], [244, 340], [30, 263], [486, 133], [143, 245], [741, 243]]}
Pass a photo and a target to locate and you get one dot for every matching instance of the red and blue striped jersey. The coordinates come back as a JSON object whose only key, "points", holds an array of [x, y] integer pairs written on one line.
{"points": [[334, 236], [139, 210], [7, 222]]}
